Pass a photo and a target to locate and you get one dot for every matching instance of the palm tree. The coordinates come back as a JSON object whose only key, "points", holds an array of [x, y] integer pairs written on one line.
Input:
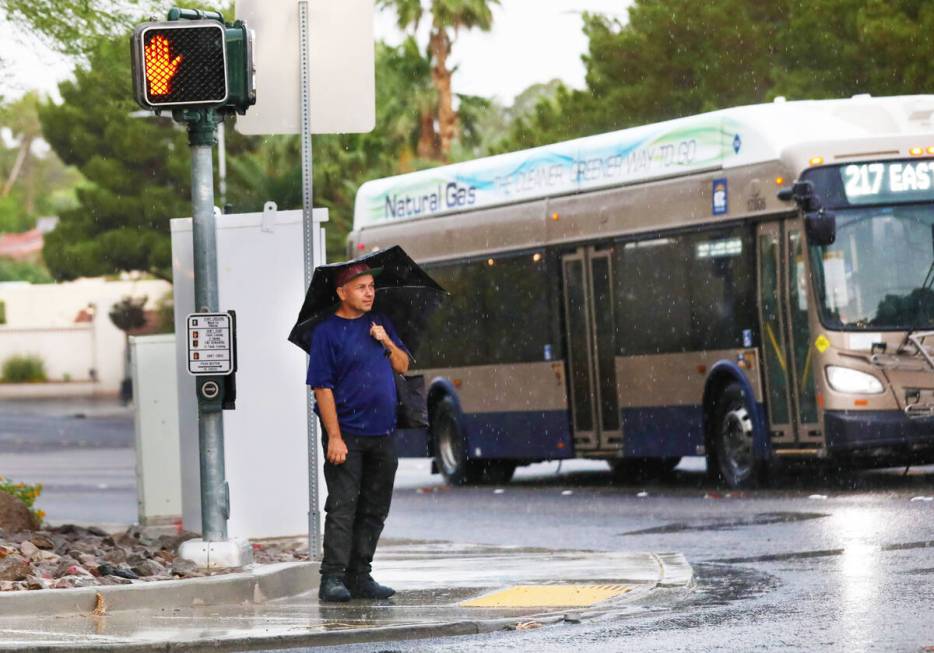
{"points": [[22, 118], [448, 17]]}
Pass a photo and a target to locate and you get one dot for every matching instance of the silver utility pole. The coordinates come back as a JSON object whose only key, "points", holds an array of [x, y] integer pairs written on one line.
{"points": [[308, 229], [222, 166], [215, 507]]}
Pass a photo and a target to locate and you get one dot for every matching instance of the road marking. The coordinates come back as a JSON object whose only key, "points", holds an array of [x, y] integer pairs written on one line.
{"points": [[548, 596]]}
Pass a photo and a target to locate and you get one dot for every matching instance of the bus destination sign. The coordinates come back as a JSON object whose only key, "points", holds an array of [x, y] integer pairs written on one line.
{"points": [[210, 344], [888, 181]]}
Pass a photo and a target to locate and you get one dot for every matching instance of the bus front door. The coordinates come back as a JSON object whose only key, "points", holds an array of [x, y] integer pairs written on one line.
{"points": [[786, 351], [591, 341]]}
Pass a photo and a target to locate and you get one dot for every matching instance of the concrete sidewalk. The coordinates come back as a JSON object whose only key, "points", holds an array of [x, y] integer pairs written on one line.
{"points": [[443, 589]]}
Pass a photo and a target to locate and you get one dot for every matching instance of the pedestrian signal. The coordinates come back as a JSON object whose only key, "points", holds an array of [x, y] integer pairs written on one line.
{"points": [[180, 63]]}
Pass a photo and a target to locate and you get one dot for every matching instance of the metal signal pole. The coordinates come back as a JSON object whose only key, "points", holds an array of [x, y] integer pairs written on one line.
{"points": [[215, 499]]}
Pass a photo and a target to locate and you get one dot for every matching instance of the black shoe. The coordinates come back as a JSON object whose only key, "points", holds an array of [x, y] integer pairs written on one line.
{"points": [[362, 586], [333, 590]]}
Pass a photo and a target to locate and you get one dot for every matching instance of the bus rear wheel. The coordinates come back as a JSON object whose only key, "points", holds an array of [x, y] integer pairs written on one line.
{"points": [[450, 451], [732, 434], [449, 444]]}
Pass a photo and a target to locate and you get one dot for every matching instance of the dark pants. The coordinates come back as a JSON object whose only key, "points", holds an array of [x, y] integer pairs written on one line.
{"points": [[359, 494]]}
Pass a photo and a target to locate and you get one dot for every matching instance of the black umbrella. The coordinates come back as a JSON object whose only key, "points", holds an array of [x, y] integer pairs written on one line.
{"points": [[404, 293]]}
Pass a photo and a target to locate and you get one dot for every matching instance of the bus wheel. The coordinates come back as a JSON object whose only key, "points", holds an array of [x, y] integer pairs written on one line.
{"points": [[732, 433], [450, 446]]}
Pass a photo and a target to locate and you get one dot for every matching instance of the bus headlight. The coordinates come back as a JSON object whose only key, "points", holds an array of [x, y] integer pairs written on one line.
{"points": [[843, 379]]}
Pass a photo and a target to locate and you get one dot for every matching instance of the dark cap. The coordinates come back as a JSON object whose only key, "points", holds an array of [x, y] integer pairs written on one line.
{"points": [[351, 272]]}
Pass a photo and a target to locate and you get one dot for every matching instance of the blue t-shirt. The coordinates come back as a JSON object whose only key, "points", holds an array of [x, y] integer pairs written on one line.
{"points": [[349, 361]]}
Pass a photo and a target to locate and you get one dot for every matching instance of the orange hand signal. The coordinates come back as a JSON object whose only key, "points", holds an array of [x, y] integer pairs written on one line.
{"points": [[160, 67]]}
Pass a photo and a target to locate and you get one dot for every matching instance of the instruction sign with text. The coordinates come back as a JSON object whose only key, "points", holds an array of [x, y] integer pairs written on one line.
{"points": [[210, 344]]}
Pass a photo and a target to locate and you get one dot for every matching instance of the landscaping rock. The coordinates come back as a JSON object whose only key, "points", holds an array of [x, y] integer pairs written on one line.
{"points": [[36, 583], [42, 541], [148, 568], [28, 549], [121, 572], [14, 567], [73, 556], [15, 516], [116, 555], [182, 567]]}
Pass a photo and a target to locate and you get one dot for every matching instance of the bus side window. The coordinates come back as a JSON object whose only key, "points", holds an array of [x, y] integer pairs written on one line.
{"points": [[682, 293], [479, 322]]}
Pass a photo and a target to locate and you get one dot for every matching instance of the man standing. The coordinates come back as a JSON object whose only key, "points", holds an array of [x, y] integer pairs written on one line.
{"points": [[354, 355]]}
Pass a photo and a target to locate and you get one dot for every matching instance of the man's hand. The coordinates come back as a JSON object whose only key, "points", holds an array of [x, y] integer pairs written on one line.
{"points": [[337, 451], [379, 334]]}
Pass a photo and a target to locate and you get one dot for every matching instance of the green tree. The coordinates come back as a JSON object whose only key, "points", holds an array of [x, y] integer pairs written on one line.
{"points": [[837, 48], [22, 119], [343, 161], [679, 57], [138, 172], [22, 271], [672, 58], [31, 184], [75, 26], [448, 18]]}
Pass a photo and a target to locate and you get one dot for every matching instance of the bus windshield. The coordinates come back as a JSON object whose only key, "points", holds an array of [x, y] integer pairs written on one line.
{"points": [[872, 277]]}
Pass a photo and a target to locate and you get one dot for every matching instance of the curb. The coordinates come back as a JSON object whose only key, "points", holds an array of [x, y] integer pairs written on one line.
{"points": [[675, 570], [256, 585], [664, 572]]}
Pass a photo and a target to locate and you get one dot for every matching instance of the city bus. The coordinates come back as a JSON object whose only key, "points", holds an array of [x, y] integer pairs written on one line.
{"points": [[751, 285]]}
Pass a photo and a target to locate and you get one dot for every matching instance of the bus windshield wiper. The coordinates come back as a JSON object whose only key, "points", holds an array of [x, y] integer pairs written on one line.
{"points": [[928, 282]]}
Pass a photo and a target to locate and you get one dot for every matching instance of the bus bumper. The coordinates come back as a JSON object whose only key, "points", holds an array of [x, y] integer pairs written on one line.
{"points": [[881, 435]]}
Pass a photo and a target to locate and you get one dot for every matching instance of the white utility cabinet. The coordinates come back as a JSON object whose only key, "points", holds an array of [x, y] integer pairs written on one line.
{"points": [[260, 276], [158, 472]]}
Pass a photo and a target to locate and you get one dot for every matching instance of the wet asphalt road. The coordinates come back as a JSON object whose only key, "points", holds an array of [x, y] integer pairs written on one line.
{"points": [[82, 453], [825, 561], [836, 563]]}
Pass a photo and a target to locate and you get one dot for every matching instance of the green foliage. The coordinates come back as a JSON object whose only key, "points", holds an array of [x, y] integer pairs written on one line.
{"points": [[13, 219], [138, 172], [11, 270], [341, 161], [680, 57], [25, 493], [31, 184], [836, 48], [75, 26], [24, 369]]}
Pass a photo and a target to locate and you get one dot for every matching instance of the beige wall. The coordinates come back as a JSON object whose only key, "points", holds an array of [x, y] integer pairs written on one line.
{"points": [[65, 350], [58, 304], [40, 320]]}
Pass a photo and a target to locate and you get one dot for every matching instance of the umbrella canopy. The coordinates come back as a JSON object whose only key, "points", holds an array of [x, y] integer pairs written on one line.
{"points": [[404, 293]]}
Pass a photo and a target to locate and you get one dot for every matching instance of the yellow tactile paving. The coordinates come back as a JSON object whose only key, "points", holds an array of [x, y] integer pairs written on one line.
{"points": [[548, 596]]}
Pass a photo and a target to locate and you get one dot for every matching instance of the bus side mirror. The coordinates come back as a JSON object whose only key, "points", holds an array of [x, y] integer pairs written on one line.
{"points": [[821, 227], [820, 224]]}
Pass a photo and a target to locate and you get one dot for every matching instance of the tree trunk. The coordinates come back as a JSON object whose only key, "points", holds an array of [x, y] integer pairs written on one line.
{"points": [[17, 165], [440, 44], [428, 145]]}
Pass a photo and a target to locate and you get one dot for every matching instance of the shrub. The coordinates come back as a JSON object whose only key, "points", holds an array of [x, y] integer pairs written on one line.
{"points": [[24, 369], [11, 270], [25, 493]]}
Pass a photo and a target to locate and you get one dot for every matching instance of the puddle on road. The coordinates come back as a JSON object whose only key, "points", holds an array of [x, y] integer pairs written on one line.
{"points": [[760, 519], [929, 570], [822, 553]]}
